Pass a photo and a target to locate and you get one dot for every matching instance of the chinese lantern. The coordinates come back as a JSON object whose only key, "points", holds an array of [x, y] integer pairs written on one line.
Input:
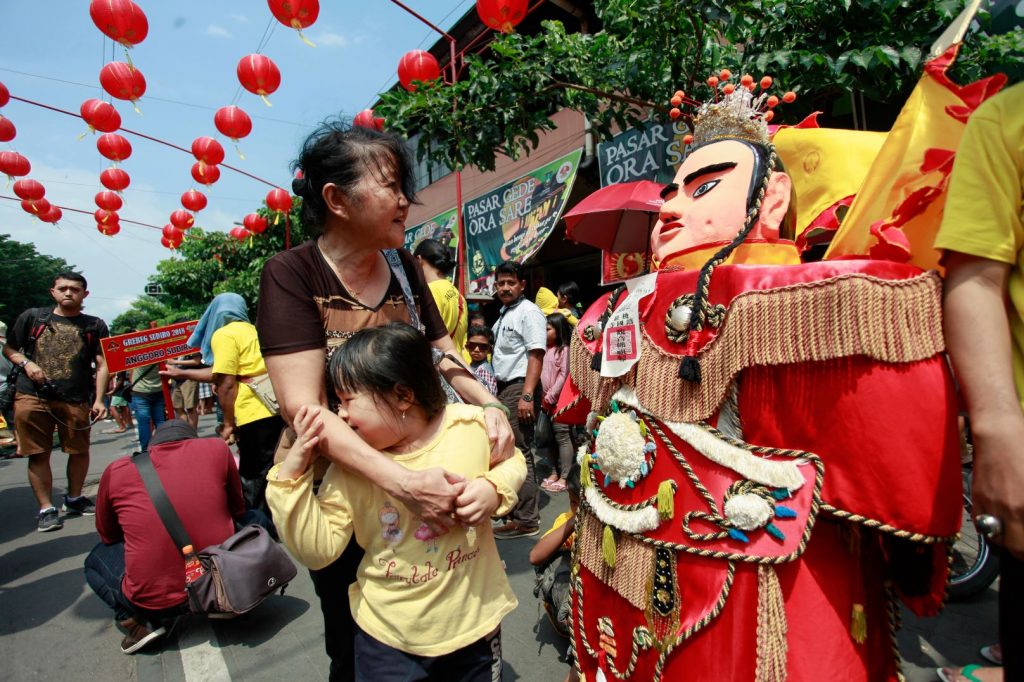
{"points": [[366, 119], [193, 200], [239, 233], [259, 75], [501, 15], [100, 115], [53, 215], [36, 207], [182, 219], [417, 65], [115, 179], [207, 151], [120, 20], [114, 147], [5, 95], [204, 174], [109, 200], [172, 233], [255, 223], [123, 81], [29, 189], [14, 164], [171, 243], [234, 123], [280, 202], [106, 217], [110, 229], [7, 130], [297, 14]]}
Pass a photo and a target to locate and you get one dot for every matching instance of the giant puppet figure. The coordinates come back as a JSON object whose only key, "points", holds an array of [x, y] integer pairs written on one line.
{"points": [[775, 463]]}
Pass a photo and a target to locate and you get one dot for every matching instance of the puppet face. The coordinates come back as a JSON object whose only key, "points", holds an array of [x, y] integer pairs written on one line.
{"points": [[707, 201]]}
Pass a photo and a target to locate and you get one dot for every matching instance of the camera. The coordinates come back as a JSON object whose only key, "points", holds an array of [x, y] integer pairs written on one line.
{"points": [[47, 391]]}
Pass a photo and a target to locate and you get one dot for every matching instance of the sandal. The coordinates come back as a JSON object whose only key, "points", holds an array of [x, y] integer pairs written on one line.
{"points": [[992, 654], [966, 672], [556, 487]]}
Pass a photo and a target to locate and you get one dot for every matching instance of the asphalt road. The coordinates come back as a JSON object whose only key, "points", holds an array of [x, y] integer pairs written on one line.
{"points": [[52, 626]]}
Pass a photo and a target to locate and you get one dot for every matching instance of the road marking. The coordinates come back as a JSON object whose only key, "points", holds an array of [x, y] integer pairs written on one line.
{"points": [[202, 661]]}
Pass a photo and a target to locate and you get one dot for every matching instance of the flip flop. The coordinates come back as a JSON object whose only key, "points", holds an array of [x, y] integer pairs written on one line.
{"points": [[556, 487], [967, 672], [988, 653]]}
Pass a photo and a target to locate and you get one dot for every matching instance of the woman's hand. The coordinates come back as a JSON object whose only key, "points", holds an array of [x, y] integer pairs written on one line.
{"points": [[308, 424], [477, 502], [499, 432], [431, 494]]}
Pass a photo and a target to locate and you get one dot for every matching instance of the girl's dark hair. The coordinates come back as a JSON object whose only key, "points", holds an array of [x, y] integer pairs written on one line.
{"points": [[571, 291], [563, 330], [340, 153], [481, 331], [437, 254], [379, 359]]}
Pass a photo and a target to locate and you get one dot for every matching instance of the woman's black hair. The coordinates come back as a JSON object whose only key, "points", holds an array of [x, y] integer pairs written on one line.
{"points": [[481, 331], [437, 254], [379, 359], [571, 291], [563, 330], [340, 153]]}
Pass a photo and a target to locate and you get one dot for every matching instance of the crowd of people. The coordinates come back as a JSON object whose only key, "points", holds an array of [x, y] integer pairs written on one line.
{"points": [[390, 434]]}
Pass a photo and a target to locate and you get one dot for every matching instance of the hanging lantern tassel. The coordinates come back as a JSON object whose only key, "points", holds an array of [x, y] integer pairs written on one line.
{"points": [[666, 500], [771, 627], [608, 546], [859, 624], [585, 477], [238, 150], [298, 28]]}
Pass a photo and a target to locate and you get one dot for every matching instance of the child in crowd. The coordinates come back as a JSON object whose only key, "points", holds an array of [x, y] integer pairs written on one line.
{"points": [[569, 301], [551, 558], [552, 378], [479, 342], [427, 604]]}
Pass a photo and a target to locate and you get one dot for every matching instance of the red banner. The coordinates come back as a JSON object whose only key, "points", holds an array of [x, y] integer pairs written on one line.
{"points": [[148, 346], [618, 267]]}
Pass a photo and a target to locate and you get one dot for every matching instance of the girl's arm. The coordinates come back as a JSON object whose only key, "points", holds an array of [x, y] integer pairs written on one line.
{"points": [[552, 542], [494, 493]]}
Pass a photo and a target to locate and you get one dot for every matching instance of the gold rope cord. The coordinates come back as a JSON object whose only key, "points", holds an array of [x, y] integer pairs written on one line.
{"points": [[772, 647], [849, 315], [886, 528], [634, 562]]}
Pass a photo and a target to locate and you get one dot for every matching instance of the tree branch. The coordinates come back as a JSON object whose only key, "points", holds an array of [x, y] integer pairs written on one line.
{"points": [[602, 93]]}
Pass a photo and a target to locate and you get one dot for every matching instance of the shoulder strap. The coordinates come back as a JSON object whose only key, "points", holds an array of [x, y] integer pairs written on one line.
{"points": [[164, 508], [39, 325], [398, 269]]}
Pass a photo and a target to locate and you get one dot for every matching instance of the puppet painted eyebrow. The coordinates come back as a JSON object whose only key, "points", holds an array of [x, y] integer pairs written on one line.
{"points": [[668, 189], [708, 170]]}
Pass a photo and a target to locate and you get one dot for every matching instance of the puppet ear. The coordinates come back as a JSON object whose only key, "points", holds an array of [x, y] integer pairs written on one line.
{"points": [[774, 206]]}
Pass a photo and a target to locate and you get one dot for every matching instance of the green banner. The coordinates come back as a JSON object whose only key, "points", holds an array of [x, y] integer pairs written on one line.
{"points": [[512, 222], [441, 227]]}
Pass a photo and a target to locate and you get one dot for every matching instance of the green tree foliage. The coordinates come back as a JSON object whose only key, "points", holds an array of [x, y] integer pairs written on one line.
{"points": [[26, 277], [211, 263], [647, 49]]}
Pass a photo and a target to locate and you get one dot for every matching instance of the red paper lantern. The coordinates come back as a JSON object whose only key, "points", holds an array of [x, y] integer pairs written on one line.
{"points": [[120, 20], [123, 81], [207, 150], [114, 147], [53, 215], [182, 219], [14, 164], [259, 75], [501, 15], [171, 243], [172, 233], [7, 130], [297, 14], [280, 201], [239, 233], [232, 122], [205, 174], [105, 217], [29, 189], [193, 200], [115, 179], [5, 95], [417, 65], [109, 200], [366, 119], [100, 115], [255, 223], [110, 229], [36, 207]]}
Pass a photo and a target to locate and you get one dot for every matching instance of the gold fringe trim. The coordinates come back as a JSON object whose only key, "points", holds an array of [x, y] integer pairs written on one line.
{"points": [[772, 647], [889, 320], [634, 561]]}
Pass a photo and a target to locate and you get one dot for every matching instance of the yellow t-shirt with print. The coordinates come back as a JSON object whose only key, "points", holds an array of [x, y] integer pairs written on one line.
{"points": [[984, 214], [453, 311], [236, 350], [423, 594]]}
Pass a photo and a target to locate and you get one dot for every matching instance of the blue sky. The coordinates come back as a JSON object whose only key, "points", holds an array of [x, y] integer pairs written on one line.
{"points": [[52, 53]]}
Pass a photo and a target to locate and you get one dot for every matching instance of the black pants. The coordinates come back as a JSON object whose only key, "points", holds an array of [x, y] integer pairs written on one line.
{"points": [[104, 571], [257, 442], [477, 662], [331, 584], [526, 512], [1011, 596]]}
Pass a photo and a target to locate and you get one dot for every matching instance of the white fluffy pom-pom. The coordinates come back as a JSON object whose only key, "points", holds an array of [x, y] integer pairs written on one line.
{"points": [[748, 512], [620, 448]]}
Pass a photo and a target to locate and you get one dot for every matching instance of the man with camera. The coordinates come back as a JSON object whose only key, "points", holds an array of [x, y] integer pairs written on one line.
{"points": [[55, 350]]}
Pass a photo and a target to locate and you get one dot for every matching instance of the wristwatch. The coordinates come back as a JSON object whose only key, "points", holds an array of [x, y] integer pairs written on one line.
{"points": [[528, 397], [23, 363]]}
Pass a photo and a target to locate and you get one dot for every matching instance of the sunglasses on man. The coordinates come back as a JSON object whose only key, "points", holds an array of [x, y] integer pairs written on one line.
{"points": [[472, 345]]}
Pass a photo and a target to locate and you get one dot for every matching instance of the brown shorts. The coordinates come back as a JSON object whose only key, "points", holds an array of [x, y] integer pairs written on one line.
{"points": [[35, 419], [186, 396]]}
